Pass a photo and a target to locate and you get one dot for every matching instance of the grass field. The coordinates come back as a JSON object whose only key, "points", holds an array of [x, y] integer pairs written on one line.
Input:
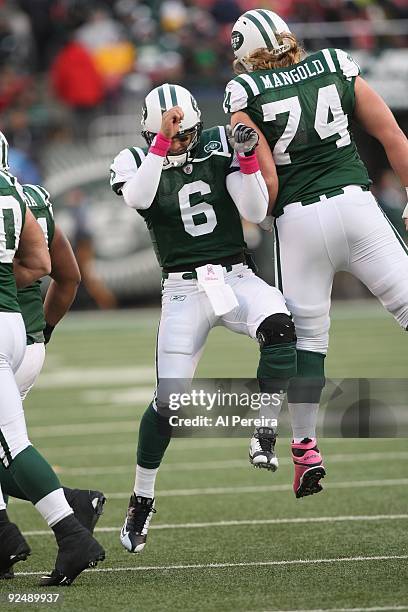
{"points": [[226, 537]]}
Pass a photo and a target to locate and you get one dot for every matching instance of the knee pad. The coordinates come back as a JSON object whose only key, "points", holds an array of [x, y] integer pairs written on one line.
{"points": [[277, 340], [276, 329]]}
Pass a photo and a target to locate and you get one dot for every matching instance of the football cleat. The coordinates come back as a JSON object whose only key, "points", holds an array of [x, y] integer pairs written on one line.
{"points": [[133, 534], [14, 548], [77, 551], [87, 506], [262, 449], [309, 468]]}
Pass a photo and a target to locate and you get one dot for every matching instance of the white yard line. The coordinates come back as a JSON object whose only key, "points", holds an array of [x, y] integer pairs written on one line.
{"points": [[102, 376], [249, 522], [144, 568], [225, 464], [186, 444], [85, 429], [375, 609]]}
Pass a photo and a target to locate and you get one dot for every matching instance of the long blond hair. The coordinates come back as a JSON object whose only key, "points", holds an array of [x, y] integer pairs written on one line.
{"points": [[263, 59]]}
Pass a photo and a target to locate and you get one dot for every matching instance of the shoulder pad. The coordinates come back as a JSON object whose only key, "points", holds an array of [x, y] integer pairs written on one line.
{"points": [[213, 141], [37, 196], [124, 167], [340, 61]]}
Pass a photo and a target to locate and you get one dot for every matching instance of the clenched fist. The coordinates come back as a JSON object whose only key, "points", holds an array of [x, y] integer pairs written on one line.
{"points": [[243, 139], [170, 125]]}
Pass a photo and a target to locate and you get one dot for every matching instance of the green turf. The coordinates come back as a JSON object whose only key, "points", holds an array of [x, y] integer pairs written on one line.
{"points": [[83, 415]]}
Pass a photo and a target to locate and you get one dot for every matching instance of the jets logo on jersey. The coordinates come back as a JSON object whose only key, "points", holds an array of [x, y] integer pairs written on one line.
{"points": [[213, 145]]}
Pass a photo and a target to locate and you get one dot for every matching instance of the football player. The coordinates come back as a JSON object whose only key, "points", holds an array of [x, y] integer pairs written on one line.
{"points": [[65, 278], [23, 259], [326, 219], [191, 186]]}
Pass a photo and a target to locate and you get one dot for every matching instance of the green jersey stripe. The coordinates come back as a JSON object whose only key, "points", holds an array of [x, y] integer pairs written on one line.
{"points": [[136, 155], [173, 95], [162, 102], [329, 60], [251, 82], [244, 84]]}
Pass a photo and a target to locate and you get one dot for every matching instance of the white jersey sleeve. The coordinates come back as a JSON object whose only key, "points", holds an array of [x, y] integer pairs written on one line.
{"points": [[124, 167], [235, 97]]}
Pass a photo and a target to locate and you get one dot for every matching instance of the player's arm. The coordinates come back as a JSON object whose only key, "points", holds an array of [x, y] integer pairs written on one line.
{"points": [[65, 278], [264, 155], [377, 119], [32, 260], [139, 192], [246, 187]]}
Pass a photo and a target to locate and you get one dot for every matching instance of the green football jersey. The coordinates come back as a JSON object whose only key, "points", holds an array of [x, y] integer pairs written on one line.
{"points": [[193, 218], [30, 298], [12, 216], [304, 111]]}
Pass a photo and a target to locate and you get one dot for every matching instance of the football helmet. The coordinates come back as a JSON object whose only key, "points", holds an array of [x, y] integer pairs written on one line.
{"points": [[158, 101], [257, 29]]}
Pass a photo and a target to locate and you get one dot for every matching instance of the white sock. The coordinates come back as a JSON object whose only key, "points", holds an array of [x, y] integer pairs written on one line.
{"points": [[269, 411], [303, 418], [144, 481], [2, 502], [54, 507]]}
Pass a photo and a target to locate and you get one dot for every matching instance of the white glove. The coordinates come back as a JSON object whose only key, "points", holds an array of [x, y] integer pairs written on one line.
{"points": [[242, 138]]}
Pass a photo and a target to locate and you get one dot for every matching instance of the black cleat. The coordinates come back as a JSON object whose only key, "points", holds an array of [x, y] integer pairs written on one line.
{"points": [[14, 548], [77, 550], [133, 534], [7, 575], [87, 506]]}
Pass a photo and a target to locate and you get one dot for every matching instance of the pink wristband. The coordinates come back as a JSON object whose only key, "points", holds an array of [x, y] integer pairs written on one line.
{"points": [[248, 165], [160, 145]]}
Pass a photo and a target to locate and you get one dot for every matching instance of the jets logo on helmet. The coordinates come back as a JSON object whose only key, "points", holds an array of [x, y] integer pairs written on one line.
{"points": [[257, 29], [162, 99]]}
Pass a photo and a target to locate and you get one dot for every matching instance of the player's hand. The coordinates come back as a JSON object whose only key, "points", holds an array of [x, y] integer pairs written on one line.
{"points": [[243, 139], [170, 125]]}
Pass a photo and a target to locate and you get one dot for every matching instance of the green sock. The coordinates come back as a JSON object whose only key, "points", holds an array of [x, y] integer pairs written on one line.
{"points": [[309, 382], [154, 438], [33, 474], [277, 364]]}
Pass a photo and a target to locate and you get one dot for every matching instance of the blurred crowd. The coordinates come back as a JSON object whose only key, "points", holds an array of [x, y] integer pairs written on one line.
{"points": [[64, 61]]}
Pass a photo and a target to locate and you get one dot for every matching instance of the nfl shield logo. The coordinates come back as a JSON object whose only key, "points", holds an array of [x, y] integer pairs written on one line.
{"points": [[188, 169]]}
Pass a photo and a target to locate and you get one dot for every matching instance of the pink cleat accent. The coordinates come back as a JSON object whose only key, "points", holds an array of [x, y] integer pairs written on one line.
{"points": [[309, 468]]}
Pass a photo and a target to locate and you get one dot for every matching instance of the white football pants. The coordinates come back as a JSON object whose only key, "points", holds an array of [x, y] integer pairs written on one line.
{"points": [[347, 232], [30, 368], [13, 431], [187, 317]]}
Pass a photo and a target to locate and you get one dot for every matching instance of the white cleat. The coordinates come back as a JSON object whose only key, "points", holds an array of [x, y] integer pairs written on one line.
{"points": [[262, 449]]}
